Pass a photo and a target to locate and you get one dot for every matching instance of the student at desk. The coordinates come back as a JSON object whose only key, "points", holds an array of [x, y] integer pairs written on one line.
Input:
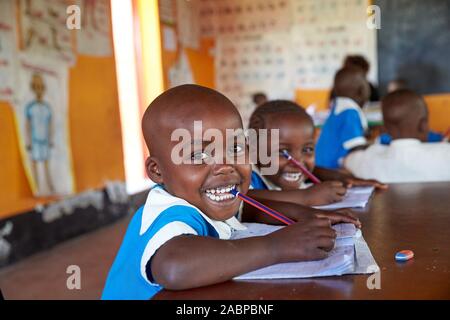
{"points": [[296, 136], [346, 126], [180, 238], [409, 157]]}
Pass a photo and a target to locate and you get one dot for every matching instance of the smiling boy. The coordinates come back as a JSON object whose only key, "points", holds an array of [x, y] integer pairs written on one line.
{"points": [[180, 238], [296, 136]]}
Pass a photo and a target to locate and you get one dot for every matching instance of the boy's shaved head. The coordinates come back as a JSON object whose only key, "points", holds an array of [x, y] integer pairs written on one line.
{"points": [[260, 117], [179, 107], [405, 114], [351, 82], [203, 117]]}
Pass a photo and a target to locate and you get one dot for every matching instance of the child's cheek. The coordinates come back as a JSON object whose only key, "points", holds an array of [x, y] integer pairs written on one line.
{"points": [[310, 162]]}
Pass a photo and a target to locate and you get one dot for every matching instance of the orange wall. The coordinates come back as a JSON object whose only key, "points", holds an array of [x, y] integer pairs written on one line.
{"points": [[439, 108], [95, 135]]}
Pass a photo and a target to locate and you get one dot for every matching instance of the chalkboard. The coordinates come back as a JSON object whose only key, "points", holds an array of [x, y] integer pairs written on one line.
{"points": [[414, 44]]}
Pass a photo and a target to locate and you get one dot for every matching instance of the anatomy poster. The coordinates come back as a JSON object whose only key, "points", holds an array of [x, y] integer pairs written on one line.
{"points": [[323, 33], [249, 64], [94, 37], [41, 111], [238, 17], [8, 48], [43, 29]]}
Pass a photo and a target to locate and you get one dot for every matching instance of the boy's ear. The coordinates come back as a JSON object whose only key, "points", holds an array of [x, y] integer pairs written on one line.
{"points": [[423, 126], [153, 172]]}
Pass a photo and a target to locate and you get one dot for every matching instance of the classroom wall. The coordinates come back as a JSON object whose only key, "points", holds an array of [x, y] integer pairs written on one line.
{"points": [[202, 64], [95, 136]]}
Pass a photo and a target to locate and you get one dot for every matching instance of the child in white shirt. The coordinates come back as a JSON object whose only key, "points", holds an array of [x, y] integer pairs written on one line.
{"points": [[409, 158]]}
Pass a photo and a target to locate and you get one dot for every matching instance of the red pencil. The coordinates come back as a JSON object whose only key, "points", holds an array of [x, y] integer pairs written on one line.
{"points": [[263, 208]]}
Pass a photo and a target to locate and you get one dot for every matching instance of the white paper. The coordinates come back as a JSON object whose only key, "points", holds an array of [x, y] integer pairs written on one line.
{"points": [[339, 261], [169, 39], [44, 30], [42, 124], [348, 257], [8, 49], [343, 230], [94, 37], [356, 197]]}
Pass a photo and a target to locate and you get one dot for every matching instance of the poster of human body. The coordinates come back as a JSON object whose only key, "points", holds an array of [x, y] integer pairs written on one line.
{"points": [[40, 108], [43, 29]]}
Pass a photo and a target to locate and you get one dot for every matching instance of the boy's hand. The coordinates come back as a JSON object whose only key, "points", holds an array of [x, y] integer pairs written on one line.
{"points": [[310, 240], [340, 216], [326, 192], [356, 182]]}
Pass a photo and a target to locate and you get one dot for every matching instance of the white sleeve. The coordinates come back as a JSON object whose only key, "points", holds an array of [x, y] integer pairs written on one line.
{"points": [[163, 235], [355, 142], [354, 162]]}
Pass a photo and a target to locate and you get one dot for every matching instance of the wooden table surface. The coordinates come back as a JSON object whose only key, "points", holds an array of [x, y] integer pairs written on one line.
{"points": [[406, 216]]}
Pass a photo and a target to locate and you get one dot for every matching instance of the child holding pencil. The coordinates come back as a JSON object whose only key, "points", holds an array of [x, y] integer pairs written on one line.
{"points": [[296, 160], [180, 238]]}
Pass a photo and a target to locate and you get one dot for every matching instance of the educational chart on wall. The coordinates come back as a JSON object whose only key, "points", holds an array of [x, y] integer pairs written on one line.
{"points": [[41, 113], [181, 72], [166, 11], [43, 29], [323, 33], [188, 23], [238, 17], [94, 37], [8, 49], [249, 64]]}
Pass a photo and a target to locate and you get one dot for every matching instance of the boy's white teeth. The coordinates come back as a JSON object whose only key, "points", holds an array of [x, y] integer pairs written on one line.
{"points": [[219, 198], [220, 194], [292, 176]]}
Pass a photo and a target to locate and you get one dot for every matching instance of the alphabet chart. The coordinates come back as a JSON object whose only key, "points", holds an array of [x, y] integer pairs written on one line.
{"points": [[324, 32], [247, 64], [237, 17]]}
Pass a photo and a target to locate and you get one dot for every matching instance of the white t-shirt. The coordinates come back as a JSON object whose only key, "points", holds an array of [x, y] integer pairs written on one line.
{"points": [[404, 160]]}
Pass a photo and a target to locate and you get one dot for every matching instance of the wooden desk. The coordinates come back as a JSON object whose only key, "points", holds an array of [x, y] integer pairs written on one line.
{"points": [[407, 216]]}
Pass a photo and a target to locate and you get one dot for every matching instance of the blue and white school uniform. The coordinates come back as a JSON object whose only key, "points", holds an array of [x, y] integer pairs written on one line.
{"points": [[386, 139], [343, 130], [161, 218], [39, 116]]}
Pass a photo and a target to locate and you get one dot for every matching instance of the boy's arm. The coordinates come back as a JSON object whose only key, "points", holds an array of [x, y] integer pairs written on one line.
{"points": [[346, 177], [295, 212], [320, 194], [193, 261]]}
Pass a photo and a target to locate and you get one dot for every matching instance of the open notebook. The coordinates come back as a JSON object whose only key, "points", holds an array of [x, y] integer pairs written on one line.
{"points": [[350, 255], [356, 197]]}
